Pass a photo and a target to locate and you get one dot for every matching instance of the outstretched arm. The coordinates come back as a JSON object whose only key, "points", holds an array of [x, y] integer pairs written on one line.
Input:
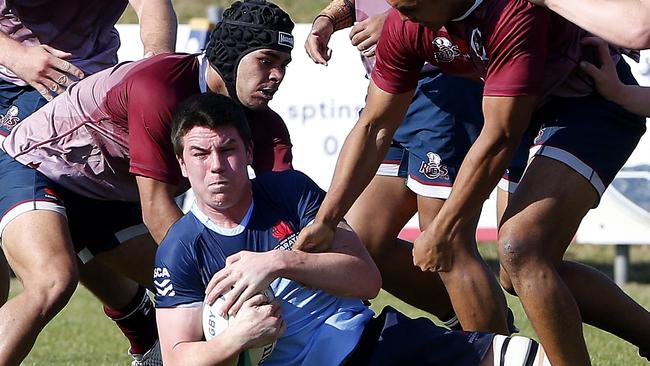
{"points": [[621, 22], [158, 25], [631, 97], [506, 118], [362, 152]]}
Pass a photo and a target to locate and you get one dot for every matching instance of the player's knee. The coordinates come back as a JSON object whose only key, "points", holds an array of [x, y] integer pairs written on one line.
{"points": [[51, 291], [514, 253]]}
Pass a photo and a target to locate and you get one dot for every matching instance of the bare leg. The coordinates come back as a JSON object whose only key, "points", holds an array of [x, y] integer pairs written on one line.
{"points": [[536, 229], [43, 259], [475, 293], [379, 214], [124, 299]]}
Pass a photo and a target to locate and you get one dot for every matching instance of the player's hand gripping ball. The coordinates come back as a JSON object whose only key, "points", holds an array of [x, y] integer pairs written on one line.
{"points": [[214, 324]]}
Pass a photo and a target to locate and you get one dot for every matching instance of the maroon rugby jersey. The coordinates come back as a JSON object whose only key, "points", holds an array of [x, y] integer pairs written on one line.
{"points": [[516, 48], [116, 124]]}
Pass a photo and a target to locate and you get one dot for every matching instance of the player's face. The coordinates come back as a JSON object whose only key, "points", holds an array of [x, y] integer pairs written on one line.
{"points": [[215, 162], [432, 14], [259, 75]]}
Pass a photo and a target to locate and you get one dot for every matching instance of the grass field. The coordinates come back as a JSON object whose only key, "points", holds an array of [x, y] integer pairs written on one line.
{"points": [[81, 335], [301, 11]]}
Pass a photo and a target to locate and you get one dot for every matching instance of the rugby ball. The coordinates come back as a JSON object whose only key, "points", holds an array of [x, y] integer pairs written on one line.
{"points": [[214, 323]]}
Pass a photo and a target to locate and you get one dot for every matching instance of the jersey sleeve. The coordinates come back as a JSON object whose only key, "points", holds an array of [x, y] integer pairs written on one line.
{"points": [[517, 46], [176, 276], [150, 108], [397, 65], [271, 142], [310, 198]]}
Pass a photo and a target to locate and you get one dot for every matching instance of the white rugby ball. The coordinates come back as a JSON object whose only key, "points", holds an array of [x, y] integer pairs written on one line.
{"points": [[214, 323]]}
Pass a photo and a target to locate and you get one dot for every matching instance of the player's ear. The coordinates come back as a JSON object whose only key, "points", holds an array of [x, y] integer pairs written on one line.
{"points": [[181, 162]]}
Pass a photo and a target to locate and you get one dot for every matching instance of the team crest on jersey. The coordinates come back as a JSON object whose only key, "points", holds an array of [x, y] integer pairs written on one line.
{"points": [[545, 133], [163, 282], [447, 51], [434, 168], [477, 45], [285, 234], [10, 119]]}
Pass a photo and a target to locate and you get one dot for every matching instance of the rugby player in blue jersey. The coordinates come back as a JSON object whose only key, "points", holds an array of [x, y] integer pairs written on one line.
{"points": [[238, 237]]}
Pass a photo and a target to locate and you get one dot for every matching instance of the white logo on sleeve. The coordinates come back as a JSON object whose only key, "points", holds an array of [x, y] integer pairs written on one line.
{"points": [[162, 281]]}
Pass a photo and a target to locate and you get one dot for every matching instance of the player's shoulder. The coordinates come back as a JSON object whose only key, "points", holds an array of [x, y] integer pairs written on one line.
{"points": [[181, 237], [286, 188], [283, 180], [165, 69], [395, 25], [505, 11]]}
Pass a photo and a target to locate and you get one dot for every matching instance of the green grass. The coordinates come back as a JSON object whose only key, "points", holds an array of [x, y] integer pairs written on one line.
{"points": [[301, 11], [82, 335]]}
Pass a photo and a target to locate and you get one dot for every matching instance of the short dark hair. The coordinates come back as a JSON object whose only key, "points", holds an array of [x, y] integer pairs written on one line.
{"points": [[208, 110]]}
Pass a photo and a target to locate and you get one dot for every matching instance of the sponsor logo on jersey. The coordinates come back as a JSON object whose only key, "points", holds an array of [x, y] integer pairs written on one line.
{"points": [[10, 119], [447, 51], [163, 282], [477, 45], [434, 168], [286, 235]]}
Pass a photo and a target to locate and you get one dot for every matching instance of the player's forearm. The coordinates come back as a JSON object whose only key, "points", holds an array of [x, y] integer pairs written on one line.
{"points": [[346, 271], [362, 152], [341, 13], [506, 119], [160, 216], [10, 51], [219, 351], [158, 25], [480, 172], [603, 18], [634, 99]]}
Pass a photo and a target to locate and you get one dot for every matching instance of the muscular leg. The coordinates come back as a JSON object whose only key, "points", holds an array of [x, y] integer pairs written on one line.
{"points": [[624, 317], [130, 268], [377, 216], [37, 246], [536, 229], [503, 197], [134, 258], [475, 294]]}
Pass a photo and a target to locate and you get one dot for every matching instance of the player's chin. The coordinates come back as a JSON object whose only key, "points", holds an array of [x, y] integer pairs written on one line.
{"points": [[258, 102]]}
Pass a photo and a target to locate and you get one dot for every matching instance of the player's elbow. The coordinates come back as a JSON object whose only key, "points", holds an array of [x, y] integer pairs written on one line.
{"points": [[372, 284], [635, 38]]}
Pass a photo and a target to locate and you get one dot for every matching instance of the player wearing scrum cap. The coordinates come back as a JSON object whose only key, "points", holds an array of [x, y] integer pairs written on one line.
{"points": [[95, 164]]}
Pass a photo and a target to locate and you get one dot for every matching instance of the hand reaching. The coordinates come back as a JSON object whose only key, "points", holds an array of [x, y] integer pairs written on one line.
{"points": [[45, 68]]}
